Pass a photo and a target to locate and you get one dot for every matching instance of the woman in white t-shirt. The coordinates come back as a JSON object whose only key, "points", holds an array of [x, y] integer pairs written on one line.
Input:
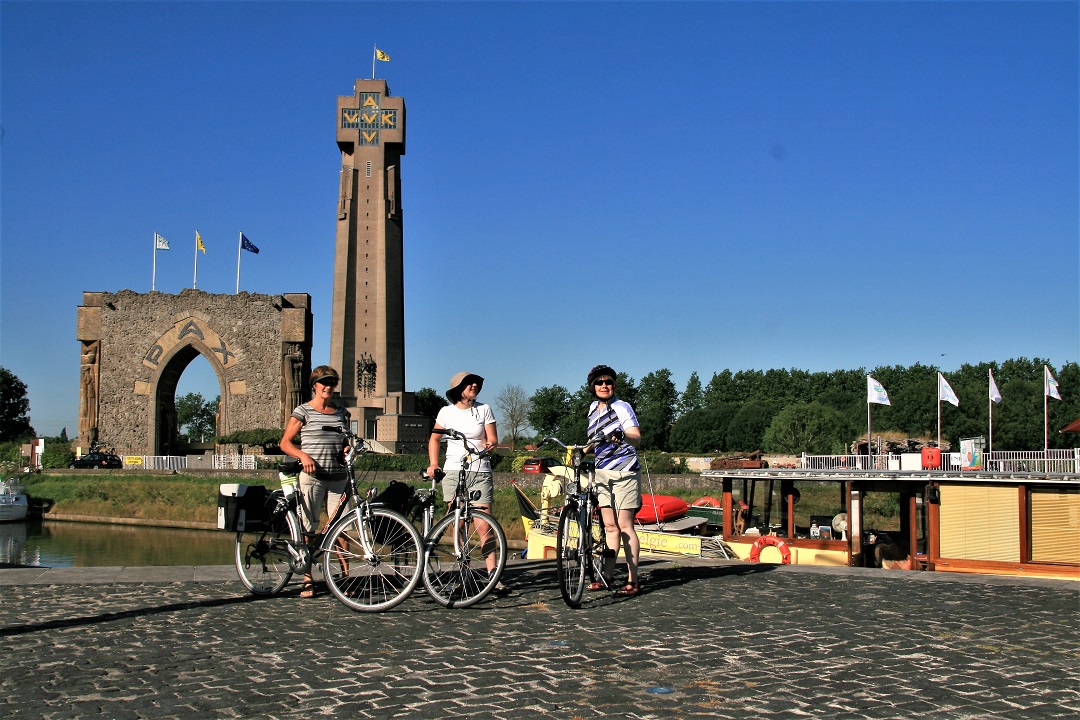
{"points": [[477, 423]]}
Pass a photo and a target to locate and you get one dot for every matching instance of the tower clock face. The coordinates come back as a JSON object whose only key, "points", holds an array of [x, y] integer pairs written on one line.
{"points": [[370, 119]]}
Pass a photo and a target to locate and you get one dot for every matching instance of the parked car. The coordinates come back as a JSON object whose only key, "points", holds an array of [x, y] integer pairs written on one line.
{"points": [[97, 460], [539, 465]]}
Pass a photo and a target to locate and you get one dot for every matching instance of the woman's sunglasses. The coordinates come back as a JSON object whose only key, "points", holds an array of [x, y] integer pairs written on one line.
{"points": [[604, 381]]}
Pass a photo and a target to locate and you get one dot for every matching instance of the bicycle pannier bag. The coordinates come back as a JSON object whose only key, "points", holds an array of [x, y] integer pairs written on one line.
{"points": [[241, 507]]}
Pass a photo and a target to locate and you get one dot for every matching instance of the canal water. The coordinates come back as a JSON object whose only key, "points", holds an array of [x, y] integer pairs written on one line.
{"points": [[71, 544]]}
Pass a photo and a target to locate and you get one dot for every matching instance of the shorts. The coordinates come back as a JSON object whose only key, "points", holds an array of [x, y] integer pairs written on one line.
{"points": [[481, 482], [625, 487], [316, 495]]}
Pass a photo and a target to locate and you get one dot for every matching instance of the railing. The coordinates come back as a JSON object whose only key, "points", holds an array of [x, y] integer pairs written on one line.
{"points": [[155, 462], [849, 462], [233, 462], [1051, 461]]}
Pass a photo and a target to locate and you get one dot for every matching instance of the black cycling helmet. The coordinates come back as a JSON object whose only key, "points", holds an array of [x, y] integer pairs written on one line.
{"points": [[598, 372]]}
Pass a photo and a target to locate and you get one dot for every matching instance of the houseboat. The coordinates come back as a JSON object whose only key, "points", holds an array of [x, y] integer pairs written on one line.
{"points": [[976, 521]]}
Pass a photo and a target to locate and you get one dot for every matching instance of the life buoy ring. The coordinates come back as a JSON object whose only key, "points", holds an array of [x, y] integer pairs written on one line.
{"points": [[759, 545], [707, 502]]}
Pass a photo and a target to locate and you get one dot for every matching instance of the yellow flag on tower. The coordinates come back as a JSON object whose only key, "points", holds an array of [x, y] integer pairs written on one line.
{"points": [[198, 242], [379, 54]]}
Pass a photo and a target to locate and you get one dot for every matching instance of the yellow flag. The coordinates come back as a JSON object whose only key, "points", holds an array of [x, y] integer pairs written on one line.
{"points": [[379, 54], [198, 242]]}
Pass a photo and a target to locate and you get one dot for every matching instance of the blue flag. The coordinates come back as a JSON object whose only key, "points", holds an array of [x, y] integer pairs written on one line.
{"points": [[246, 244]]}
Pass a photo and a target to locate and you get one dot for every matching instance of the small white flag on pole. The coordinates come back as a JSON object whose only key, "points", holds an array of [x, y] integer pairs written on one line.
{"points": [[1050, 385], [995, 394], [160, 243], [945, 391], [875, 393]]}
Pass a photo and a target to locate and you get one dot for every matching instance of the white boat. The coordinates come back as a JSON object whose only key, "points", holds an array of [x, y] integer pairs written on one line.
{"points": [[14, 503]]}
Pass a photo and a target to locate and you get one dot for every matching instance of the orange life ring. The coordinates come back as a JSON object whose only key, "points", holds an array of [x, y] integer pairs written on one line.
{"points": [[707, 502], [785, 552]]}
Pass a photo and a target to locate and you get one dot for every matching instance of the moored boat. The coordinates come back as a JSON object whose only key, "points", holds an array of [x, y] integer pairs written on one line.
{"points": [[14, 503]]}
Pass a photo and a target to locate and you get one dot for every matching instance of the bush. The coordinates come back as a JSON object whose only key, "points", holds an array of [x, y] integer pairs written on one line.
{"points": [[267, 437], [661, 463]]}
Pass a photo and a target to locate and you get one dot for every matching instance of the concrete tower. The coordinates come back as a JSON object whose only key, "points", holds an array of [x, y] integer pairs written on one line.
{"points": [[367, 343]]}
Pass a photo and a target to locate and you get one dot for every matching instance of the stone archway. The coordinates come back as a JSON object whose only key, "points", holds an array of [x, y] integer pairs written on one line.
{"points": [[136, 346]]}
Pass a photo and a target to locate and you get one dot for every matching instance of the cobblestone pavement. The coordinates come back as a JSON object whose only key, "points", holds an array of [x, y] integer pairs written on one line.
{"points": [[705, 640]]}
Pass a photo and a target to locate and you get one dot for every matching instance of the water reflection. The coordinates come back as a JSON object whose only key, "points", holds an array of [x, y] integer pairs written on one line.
{"points": [[67, 544]]}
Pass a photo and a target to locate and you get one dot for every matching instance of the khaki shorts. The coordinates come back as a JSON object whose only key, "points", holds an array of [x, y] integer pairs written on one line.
{"points": [[624, 486], [317, 495], [475, 482]]}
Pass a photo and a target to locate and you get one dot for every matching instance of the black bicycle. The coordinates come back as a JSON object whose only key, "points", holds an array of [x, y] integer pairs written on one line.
{"points": [[580, 542], [371, 555], [464, 552]]}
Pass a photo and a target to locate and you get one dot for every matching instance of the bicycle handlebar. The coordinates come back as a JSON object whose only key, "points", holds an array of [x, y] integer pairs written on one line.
{"points": [[469, 446]]}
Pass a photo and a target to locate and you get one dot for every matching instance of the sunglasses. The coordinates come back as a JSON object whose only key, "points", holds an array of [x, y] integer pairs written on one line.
{"points": [[604, 381], [328, 382]]}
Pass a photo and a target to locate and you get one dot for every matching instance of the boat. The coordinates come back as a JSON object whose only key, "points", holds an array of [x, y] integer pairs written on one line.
{"points": [[14, 504], [678, 536]]}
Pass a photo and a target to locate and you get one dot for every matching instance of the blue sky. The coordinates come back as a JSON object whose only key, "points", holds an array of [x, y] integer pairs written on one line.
{"points": [[690, 186]]}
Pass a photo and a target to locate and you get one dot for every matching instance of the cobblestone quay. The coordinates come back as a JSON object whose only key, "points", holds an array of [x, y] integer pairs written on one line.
{"points": [[705, 640]]}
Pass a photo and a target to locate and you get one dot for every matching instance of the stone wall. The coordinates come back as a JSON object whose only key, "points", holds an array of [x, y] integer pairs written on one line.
{"points": [[135, 347]]}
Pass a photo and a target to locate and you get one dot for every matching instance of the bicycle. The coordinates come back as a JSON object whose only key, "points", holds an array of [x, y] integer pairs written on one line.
{"points": [[580, 532], [464, 552], [371, 556]]}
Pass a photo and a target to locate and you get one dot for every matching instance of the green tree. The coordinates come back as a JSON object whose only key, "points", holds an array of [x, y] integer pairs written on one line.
{"points": [[429, 402], [702, 430], [196, 419], [14, 405], [746, 431], [692, 397], [655, 410], [550, 408], [807, 427]]}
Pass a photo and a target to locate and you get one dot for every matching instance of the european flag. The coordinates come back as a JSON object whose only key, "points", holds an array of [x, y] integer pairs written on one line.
{"points": [[246, 244]]}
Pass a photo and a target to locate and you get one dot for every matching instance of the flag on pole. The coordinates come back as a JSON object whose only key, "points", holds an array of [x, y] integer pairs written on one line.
{"points": [[1050, 385], [246, 244], [875, 393], [945, 391], [199, 243], [377, 55], [995, 394], [160, 243]]}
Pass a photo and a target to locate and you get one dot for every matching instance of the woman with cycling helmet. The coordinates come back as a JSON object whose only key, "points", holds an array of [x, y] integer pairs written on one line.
{"points": [[614, 427]]}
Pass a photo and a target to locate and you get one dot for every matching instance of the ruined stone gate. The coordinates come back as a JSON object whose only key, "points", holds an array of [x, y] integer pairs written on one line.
{"points": [[135, 347]]}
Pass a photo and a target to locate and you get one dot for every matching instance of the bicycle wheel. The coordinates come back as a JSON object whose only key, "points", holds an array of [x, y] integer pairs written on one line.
{"points": [[463, 576], [375, 580], [262, 553], [571, 557]]}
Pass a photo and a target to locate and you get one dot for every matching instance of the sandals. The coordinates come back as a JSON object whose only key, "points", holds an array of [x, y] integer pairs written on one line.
{"points": [[307, 590], [629, 590]]}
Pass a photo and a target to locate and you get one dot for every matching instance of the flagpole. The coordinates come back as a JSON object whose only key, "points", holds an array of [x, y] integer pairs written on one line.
{"points": [[195, 279], [990, 442], [1046, 416], [239, 243], [868, 453], [153, 276], [374, 52]]}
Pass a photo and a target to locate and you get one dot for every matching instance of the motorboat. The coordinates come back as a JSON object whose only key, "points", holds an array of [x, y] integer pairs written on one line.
{"points": [[14, 503]]}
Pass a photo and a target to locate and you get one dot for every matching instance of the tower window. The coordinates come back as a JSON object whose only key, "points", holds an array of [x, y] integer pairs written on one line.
{"points": [[368, 168]]}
